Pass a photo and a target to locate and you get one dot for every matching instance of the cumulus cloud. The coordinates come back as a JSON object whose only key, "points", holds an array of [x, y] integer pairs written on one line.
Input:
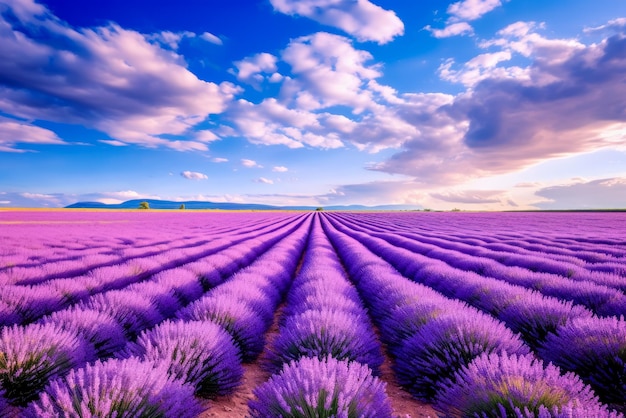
{"points": [[596, 194], [252, 69], [280, 169], [194, 175], [460, 13], [219, 160], [119, 81], [250, 163], [361, 19], [326, 71], [472, 9], [453, 29], [263, 180], [209, 37], [14, 132], [568, 100]]}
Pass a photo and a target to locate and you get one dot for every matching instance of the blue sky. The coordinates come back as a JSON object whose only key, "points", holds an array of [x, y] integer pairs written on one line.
{"points": [[473, 104]]}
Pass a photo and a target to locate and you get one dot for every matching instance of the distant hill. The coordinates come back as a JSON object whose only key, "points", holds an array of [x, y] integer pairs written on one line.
{"points": [[168, 204]]}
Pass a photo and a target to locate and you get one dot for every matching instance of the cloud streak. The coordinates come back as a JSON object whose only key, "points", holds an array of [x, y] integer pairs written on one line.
{"points": [[194, 175], [361, 19]]}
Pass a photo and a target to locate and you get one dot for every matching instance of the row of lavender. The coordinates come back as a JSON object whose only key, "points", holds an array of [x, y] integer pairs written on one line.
{"points": [[569, 335], [25, 301], [325, 357], [161, 362]]}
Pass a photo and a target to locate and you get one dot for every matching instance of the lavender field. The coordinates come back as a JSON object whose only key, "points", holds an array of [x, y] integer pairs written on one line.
{"points": [[164, 314]]}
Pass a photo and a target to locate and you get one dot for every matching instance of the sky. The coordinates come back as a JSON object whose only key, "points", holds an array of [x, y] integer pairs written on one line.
{"points": [[471, 104]]}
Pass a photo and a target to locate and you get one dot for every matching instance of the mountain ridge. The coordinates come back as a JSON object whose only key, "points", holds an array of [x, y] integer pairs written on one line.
{"points": [[197, 205]]}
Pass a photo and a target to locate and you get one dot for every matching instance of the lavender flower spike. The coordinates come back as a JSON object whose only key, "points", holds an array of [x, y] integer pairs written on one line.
{"points": [[117, 388], [515, 386], [198, 352], [312, 387]]}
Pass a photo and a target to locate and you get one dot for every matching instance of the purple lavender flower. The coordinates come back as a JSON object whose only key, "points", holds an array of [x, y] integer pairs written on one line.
{"points": [[536, 316], [243, 323], [249, 294], [321, 302], [132, 311], [312, 387], [31, 356], [28, 303], [499, 385], [116, 388], [447, 343], [98, 329], [162, 296], [201, 353], [326, 333], [405, 320], [185, 284], [594, 349]]}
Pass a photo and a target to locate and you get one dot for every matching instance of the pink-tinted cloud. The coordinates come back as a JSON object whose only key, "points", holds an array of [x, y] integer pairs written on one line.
{"points": [[453, 29], [14, 132], [194, 175], [472, 9], [120, 81], [569, 100], [597, 194], [361, 18]]}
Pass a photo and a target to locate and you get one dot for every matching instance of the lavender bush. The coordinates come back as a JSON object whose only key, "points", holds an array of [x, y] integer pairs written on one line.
{"points": [[447, 343], [321, 334], [116, 388], [197, 352], [595, 349], [243, 323], [31, 356], [324, 388], [501, 385], [132, 311], [98, 329]]}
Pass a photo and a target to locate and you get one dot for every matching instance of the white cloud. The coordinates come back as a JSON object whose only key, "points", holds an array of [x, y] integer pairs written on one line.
{"points": [[13, 132], [170, 39], [566, 101], [113, 142], [109, 201], [615, 24], [452, 29], [5, 202], [361, 18], [251, 69], [111, 78], [209, 37], [263, 180], [328, 71], [460, 13], [194, 175], [596, 194], [249, 163], [280, 169], [472, 9], [205, 136], [219, 160]]}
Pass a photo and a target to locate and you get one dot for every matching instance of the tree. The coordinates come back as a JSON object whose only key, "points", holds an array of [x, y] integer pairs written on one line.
{"points": [[144, 205], [319, 209], [182, 206]]}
